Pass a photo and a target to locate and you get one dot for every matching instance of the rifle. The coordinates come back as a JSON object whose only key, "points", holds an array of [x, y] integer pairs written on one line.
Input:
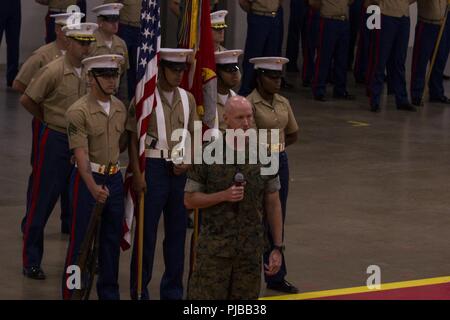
{"points": [[435, 51], [87, 259]]}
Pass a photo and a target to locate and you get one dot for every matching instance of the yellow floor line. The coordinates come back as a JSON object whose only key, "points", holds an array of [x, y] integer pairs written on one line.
{"points": [[364, 289], [358, 123]]}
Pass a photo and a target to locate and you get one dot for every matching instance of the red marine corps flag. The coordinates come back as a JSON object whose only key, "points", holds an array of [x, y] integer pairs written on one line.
{"points": [[147, 72], [200, 80]]}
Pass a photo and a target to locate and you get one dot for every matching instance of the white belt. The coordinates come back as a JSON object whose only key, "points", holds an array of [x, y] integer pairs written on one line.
{"points": [[101, 168], [162, 153], [157, 153]]}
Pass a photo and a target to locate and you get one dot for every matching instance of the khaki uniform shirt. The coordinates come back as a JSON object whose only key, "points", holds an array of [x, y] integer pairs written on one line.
{"points": [[55, 88], [90, 127], [277, 115], [227, 232], [61, 5], [432, 11], [130, 14], [38, 59], [334, 8], [395, 8], [99, 47], [173, 115], [265, 5]]}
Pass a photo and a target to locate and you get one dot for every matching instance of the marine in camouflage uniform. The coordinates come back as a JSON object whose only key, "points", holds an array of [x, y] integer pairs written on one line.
{"points": [[232, 237]]}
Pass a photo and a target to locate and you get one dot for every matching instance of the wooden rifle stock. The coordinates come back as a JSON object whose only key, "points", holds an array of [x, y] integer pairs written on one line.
{"points": [[87, 258]]}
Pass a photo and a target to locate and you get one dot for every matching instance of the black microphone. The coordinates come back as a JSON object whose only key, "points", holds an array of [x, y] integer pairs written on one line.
{"points": [[239, 181]]}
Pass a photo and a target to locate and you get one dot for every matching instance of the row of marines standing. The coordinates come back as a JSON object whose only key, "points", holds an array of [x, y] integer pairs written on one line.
{"points": [[335, 38], [74, 125]]}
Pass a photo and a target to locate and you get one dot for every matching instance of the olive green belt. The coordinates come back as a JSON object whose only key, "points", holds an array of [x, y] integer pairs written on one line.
{"points": [[264, 13], [341, 18]]}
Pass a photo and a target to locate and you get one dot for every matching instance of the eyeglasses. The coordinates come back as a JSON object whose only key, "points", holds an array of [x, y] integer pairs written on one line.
{"points": [[228, 68], [106, 73], [272, 74], [174, 66]]}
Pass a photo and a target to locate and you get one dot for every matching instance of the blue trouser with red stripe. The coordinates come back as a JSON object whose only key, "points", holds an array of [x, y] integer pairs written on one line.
{"points": [[264, 38], [309, 44], [283, 173], [334, 36], [355, 26], [437, 75], [165, 194], [53, 168], [424, 44], [391, 46], [297, 16], [36, 127], [110, 231], [360, 69], [373, 45]]}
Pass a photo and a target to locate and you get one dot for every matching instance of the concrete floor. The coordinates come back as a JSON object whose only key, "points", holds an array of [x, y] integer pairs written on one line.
{"points": [[366, 189]]}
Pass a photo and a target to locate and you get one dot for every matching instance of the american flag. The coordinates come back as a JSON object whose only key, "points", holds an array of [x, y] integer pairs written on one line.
{"points": [[147, 72]]}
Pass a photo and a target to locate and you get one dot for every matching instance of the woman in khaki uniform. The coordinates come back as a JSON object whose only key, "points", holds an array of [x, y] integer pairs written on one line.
{"points": [[272, 111], [228, 77]]}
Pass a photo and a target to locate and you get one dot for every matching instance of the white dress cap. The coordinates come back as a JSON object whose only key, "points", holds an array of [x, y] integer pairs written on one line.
{"points": [[106, 61], [218, 19], [82, 31], [228, 56], [110, 9], [269, 63], [67, 18], [175, 55]]}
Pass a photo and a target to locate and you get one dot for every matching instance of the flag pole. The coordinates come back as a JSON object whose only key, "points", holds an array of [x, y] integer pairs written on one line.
{"points": [[140, 244], [194, 245], [435, 51], [194, 239]]}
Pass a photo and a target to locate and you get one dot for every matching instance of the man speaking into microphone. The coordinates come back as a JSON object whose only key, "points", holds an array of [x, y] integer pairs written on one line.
{"points": [[237, 203]]}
